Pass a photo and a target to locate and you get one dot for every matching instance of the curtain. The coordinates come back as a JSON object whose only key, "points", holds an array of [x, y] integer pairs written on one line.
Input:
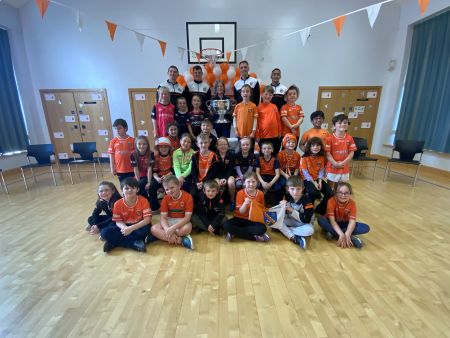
{"points": [[13, 135], [425, 108]]}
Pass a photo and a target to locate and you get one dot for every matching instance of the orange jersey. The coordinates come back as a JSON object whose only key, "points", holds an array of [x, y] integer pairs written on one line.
{"points": [[313, 132], [289, 163], [204, 164], [339, 147], [341, 212], [163, 164], [267, 167], [240, 198], [293, 114], [122, 148], [269, 123], [131, 214], [244, 113], [313, 165], [175, 142], [177, 208]]}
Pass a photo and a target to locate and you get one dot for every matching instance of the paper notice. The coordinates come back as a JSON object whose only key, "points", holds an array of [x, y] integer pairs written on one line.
{"points": [[326, 95], [69, 118], [139, 97], [371, 95], [353, 115], [102, 132], [63, 156], [58, 134], [325, 125], [142, 132], [49, 97], [96, 97], [105, 155], [84, 118], [365, 125]]}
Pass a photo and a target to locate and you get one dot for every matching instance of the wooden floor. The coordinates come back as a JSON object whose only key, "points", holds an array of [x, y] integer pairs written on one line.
{"points": [[55, 281]]}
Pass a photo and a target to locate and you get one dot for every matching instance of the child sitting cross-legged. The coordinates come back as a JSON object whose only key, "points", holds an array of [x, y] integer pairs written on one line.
{"points": [[209, 209], [176, 211], [132, 219]]}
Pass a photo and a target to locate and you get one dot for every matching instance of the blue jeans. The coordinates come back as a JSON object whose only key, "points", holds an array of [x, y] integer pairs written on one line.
{"points": [[113, 235], [360, 228]]}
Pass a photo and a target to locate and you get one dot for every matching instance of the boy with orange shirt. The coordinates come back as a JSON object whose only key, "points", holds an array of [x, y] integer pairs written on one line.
{"points": [[340, 148], [176, 211], [317, 119], [269, 124], [245, 115], [205, 165], [132, 217], [292, 114], [120, 149]]}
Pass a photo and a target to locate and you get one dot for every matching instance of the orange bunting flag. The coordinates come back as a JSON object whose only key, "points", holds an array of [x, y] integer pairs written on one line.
{"points": [[338, 24], [228, 56], [423, 4], [163, 45], [112, 29], [42, 6], [198, 56]]}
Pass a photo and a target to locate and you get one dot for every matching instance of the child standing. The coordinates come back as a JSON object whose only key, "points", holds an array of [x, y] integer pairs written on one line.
{"points": [[182, 162], [209, 209], [206, 128], [289, 158], [269, 125], [313, 172], [172, 135], [240, 225], [204, 165], [340, 221], [297, 223], [340, 148], [226, 169], [196, 116], [317, 119], [291, 113], [245, 115], [142, 161], [268, 171], [182, 116], [161, 168], [163, 113], [102, 215], [176, 211], [245, 161], [132, 217], [120, 149]]}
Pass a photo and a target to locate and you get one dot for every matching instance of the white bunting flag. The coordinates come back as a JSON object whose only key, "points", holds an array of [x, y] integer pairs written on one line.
{"points": [[304, 34], [181, 52], [372, 13], [140, 38], [244, 52]]}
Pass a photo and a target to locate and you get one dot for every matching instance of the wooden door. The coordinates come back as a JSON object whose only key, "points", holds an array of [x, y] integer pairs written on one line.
{"points": [[360, 104], [95, 121], [62, 121], [142, 101]]}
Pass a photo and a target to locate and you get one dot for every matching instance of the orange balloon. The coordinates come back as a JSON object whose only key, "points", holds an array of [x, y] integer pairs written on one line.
{"points": [[238, 72], [210, 78], [224, 67], [261, 87], [180, 79], [253, 75], [208, 68], [191, 70], [224, 78]]}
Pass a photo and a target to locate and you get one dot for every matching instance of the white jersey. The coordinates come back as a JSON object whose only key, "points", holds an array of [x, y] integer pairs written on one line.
{"points": [[176, 90], [278, 95]]}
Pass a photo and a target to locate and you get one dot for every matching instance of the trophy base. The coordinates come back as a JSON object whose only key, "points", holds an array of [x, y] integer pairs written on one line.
{"points": [[222, 121]]}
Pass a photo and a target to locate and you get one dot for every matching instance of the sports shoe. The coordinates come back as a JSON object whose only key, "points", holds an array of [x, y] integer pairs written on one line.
{"points": [[262, 238], [150, 239], [88, 227], [357, 242], [187, 242], [329, 236], [107, 247], [301, 241], [232, 206], [139, 246], [229, 237]]}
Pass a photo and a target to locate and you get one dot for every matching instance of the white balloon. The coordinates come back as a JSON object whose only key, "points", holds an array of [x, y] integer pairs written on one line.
{"points": [[228, 86], [217, 71], [231, 72], [187, 76], [204, 72]]}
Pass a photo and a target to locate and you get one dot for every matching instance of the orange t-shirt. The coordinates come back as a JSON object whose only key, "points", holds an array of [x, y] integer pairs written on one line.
{"points": [[289, 163], [293, 114], [131, 214], [204, 164], [244, 114], [122, 148], [163, 164], [313, 164], [175, 142], [313, 132], [177, 208], [341, 212], [269, 124], [240, 198], [339, 147]]}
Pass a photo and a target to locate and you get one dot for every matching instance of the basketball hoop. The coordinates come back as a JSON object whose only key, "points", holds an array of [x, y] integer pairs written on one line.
{"points": [[211, 55]]}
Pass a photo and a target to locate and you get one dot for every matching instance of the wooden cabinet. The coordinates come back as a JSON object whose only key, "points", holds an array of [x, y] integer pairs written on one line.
{"points": [[142, 101]]}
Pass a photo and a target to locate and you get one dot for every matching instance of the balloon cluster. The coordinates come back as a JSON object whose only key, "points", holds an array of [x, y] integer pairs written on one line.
{"points": [[224, 72]]}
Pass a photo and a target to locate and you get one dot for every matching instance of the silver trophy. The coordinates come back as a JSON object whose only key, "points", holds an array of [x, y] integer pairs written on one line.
{"points": [[220, 107]]}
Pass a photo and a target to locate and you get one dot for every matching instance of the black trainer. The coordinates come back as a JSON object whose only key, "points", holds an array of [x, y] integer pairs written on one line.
{"points": [[139, 246], [107, 247]]}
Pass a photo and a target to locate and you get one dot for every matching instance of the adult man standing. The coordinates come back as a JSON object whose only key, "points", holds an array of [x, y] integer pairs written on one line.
{"points": [[200, 88], [278, 89], [246, 79], [176, 90]]}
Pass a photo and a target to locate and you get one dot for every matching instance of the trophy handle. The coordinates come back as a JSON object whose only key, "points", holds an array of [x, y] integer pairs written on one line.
{"points": [[208, 103]]}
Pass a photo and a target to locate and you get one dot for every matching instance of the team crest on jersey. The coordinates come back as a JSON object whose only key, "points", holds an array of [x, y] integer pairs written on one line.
{"points": [[139, 213]]}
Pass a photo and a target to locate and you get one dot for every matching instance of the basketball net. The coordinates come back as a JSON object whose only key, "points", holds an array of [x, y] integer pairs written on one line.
{"points": [[211, 55]]}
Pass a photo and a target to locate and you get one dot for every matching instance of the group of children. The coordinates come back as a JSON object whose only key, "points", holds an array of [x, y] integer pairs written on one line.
{"points": [[210, 173]]}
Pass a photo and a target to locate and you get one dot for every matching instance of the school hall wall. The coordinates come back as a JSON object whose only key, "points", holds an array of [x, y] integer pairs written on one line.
{"points": [[59, 56]]}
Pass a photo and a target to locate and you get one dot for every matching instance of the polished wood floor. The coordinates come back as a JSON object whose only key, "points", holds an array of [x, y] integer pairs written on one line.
{"points": [[55, 281]]}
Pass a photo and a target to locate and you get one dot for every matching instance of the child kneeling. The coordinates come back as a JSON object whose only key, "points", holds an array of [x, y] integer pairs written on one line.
{"points": [[297, 224], [176, 211], [132, 217]]}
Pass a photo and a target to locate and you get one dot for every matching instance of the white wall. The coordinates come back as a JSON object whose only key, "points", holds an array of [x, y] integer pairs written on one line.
{"points": [[61, 57]]}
